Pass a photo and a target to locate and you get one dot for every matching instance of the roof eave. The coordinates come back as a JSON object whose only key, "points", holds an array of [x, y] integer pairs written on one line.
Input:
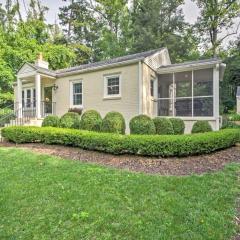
{"points": [[170, 68], [119, 64]]}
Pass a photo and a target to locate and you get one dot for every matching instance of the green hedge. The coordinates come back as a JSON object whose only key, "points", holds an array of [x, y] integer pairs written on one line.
{"points": [[91, 120], [234, 117], [113, 122], [163, 126], [201, 126], [70, 120], [51, 121], [142, 125], [178, 125], [155, 145]]}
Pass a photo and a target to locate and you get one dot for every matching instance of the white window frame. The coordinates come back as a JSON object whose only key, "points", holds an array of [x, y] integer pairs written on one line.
{"points": [[71, 94], [106, 95]]}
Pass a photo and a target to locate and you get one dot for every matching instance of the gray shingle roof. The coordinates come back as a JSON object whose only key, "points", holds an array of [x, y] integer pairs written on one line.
{"points": [[137, 56], [105, 63]]}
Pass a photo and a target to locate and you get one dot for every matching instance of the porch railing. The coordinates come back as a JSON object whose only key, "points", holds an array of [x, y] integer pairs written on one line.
{"points": [[29, 109]]}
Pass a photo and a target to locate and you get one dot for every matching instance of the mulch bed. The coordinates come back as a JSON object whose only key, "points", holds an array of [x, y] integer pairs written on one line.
{"points": [[163, 166]]}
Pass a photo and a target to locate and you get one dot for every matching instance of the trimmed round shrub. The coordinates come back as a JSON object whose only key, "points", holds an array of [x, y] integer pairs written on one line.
{"points": [[51, 121], [201, 127], [91, 120], [178, 126], [70, 120], [143, 125], [163, 126], [114, 122]]}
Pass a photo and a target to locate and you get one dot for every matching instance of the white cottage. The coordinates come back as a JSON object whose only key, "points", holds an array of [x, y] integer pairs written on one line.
{"points": [[142, 83]]}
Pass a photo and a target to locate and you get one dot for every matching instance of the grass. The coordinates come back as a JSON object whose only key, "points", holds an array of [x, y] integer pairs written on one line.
{"points": [[44, 197]]}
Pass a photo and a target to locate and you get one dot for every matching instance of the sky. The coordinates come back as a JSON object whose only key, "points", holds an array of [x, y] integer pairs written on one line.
{"points": [[190, 9]]}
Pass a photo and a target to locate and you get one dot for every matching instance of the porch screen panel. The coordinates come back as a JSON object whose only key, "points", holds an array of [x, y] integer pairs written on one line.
{"points": [[165, 95], [183, 95], [203, 92], [186, 94]]}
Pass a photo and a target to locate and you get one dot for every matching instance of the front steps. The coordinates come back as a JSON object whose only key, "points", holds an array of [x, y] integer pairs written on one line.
{"points": [[20, 122]]}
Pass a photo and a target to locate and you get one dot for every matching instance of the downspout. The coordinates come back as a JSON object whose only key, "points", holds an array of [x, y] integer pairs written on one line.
{"points": [[140, 89]]}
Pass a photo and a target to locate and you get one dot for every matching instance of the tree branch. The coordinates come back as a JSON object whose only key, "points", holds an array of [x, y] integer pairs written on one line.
{"points": [[230, 34]]}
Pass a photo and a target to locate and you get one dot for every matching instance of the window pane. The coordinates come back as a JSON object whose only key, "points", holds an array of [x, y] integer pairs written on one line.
{"points": [[34, 97], [23, 100], [203, 107], [152, 88], [113, 90], [77, 99], [77, 88], [183, 81], [203, 82], [113, 81], [28, 104], [113, 86], [183, 107], [165, 107], [165, 86]]}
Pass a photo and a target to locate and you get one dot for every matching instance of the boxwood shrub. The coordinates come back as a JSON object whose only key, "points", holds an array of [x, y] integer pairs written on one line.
{"points": [[201, 127], [70, 120], [51, 121], [91, 120], [163, 126], [114, 122], [155, 145], [143, 125], [178, 126]]}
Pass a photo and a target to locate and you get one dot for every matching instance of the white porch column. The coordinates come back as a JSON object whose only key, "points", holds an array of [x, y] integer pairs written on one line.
{"points": [[216, 95], [38, 95], [18, 106]]}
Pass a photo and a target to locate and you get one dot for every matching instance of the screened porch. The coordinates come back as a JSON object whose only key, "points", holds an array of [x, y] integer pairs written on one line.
{"points": [[186, 94]]}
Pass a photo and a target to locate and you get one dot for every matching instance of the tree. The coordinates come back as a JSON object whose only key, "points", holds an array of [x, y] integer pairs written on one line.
{"points": [[216, 22], [22, 40], [160, 23], [231, 77], [100, 25]]}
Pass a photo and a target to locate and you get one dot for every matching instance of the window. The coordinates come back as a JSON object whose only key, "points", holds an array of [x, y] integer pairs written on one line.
{"points": [[112, 86], [188, 93], [77, 93], [34, 97], [28, 98], [152, 87], [23, 101]]}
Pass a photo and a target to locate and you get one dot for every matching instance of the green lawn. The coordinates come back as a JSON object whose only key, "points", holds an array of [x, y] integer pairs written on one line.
{"points": [[44, 197]]}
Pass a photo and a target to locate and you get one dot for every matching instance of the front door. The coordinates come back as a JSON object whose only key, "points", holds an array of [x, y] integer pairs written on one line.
{"points": [[48, 107]]}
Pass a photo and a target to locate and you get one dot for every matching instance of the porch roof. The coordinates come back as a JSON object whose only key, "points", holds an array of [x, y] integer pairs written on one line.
{"points": [[211, 61], [42, 70]]}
